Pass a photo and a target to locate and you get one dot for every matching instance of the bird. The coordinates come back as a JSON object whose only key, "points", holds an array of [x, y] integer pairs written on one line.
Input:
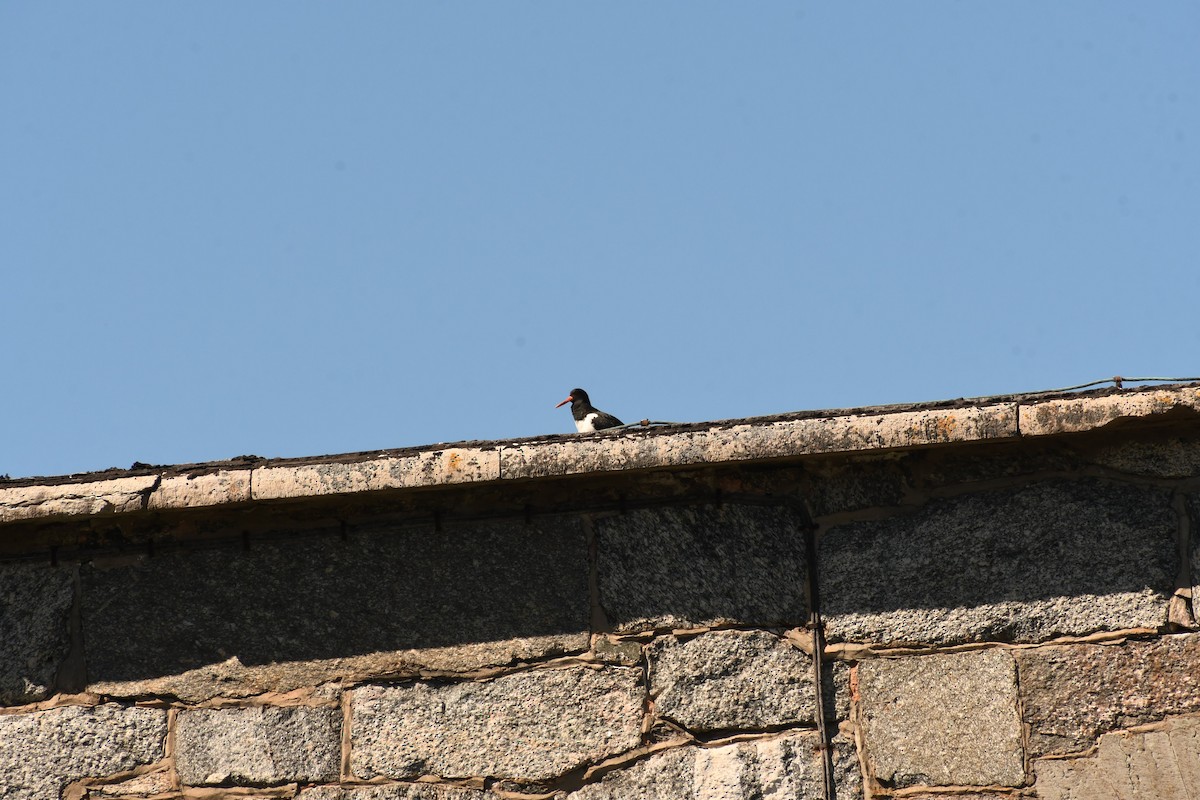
{"points": [[588, 418]]}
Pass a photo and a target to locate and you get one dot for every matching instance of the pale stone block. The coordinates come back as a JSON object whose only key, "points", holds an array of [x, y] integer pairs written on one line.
{"points": [[43, 751], [426, 468], [785, 767], [394, 791], [740, 440], [258, 744], [532, 725], [90, 498], [209, 489], [942, 720], [1073, 414], [1160, 764]]}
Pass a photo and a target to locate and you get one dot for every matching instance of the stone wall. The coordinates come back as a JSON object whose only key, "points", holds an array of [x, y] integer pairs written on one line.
{"points": [[996, 619]]}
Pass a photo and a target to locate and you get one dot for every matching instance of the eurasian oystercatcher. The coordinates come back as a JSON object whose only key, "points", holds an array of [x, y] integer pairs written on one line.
{"points": [[588, 418]]}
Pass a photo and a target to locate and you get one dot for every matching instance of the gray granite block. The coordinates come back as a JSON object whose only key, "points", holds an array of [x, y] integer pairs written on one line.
{"points": [[42, 751], [690, 567], [731, 680], [533, 725], [942, 720], [314, 604], [258, 745], [35, 607], [1028, 564]]}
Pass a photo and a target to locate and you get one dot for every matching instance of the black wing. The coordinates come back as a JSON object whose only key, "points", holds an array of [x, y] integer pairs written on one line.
{"points": [[603, 420]]}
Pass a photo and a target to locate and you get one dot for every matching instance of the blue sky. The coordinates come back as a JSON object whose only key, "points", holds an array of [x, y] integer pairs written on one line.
{"points": [[303, 228]]}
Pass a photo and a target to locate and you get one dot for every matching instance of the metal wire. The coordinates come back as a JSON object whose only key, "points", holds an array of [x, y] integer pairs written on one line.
{"points": [[1117, 381]]}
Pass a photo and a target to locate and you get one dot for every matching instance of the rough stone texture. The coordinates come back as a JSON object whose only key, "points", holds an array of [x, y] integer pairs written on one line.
{"points": [[258, 745], [731, 680], [942, 720], [524, 726], [1173, 457], [1073, 693], [394, 791], [1192, 522], [743, 440], [1162, 764], [691, 567], [1053, 558], [208, 489], [43, 751], [1073, 414], [75, 499], [35, 605], [427, 468], [295, 613], [786, 767], [833, 487]]}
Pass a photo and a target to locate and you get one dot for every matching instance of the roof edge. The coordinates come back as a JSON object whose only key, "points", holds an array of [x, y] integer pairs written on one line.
{"points": [[880, 428]]}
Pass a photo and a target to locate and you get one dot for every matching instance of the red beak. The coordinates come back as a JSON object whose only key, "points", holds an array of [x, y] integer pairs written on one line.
{"points": [[564, 402]]}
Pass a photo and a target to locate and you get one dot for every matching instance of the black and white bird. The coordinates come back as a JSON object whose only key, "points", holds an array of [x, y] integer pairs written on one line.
{"points": [[588, 418]]}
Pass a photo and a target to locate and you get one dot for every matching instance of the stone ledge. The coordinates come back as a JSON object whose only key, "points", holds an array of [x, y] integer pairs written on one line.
{"points": [[762, 438]]}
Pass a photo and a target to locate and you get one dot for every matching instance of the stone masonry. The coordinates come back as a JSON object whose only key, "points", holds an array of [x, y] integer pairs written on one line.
{"points": [[977, 600]]}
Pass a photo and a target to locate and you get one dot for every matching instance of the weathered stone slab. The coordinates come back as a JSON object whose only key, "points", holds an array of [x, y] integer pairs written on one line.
{"points": [[208, 489], [1069, 415], [1072, 693], [427, 468], [786, 767], [1162, 764], [80, 499], [43, 751], [1172, 457], [35, 605], [525, 726], [726, 442], [258, 745], [690, 567], [942, 720], [394, 791], [1025, 565], [297, 613], [731, 680]]}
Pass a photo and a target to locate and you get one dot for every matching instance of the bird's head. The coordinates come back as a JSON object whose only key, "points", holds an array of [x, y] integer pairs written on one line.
{"points": [[576, 396]]}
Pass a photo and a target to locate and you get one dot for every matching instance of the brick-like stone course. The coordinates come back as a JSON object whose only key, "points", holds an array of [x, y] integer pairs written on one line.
{"points": [[942, 720], [43, 751], [526, 726], [484, 594], [394, 791], [728, 680], [785, 767], [691, 567], [258, 745], [1073, 693], [1059, 558], [35, 605]]}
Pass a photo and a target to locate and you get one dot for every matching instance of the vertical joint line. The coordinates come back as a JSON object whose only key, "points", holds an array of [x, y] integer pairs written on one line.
{"points": [[818, 656]]}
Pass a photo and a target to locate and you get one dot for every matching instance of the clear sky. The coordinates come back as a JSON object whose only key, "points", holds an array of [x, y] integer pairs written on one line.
{"points": [[299, 228]]}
